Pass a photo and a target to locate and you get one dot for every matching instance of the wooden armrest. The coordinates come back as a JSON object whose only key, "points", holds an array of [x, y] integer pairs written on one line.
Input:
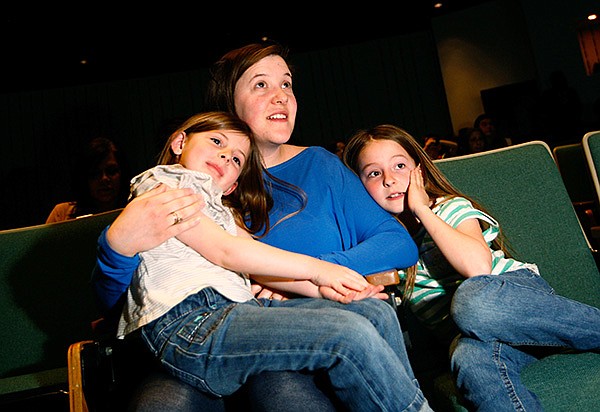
{"points": [[385, 278], [77, 399]]}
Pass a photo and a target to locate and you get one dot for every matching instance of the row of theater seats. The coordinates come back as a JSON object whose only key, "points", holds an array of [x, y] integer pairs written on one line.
{"points": [[51, 356], [579, 165]]}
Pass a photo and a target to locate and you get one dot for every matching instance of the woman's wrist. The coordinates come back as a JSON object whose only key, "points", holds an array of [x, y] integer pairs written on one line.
{"points": [[111, 240], [109, 255]]}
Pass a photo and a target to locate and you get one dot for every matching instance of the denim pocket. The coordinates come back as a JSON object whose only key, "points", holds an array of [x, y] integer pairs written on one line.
{"points": [[189, 330], [199, 326]]}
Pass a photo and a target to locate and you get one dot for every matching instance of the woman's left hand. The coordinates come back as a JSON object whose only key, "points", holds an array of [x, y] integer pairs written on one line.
{"points": [[261, 292]]}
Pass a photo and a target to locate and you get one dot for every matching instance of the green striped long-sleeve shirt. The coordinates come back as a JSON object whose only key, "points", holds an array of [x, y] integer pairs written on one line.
{"points": [[436, 279]]}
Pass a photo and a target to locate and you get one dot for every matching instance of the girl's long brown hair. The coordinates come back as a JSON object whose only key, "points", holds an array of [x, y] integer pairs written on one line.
{"points": [[250, 202], [436, 184]]}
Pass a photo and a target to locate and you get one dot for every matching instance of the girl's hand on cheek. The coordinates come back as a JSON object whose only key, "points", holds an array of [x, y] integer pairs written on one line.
{"points": [[417, 196]]}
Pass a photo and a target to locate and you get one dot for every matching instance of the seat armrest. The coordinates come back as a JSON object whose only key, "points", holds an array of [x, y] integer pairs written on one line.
{"points": [[385, 278]]}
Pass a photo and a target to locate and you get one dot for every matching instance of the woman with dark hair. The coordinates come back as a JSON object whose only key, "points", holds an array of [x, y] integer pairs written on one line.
{"points": [[470, 140], [100, 182], [487, 124]]}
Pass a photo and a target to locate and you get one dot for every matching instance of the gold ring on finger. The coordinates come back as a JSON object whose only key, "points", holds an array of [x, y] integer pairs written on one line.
{"points": [[176, 218]]}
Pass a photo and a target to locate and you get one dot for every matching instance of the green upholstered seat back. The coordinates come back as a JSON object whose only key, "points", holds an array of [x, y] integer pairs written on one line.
{"points": [[46, 302], [574, 170], [522, 188]]}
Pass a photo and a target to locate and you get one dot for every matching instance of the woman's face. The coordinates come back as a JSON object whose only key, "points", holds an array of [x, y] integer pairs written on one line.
{"points": [[487, 126], [105, 182], [476, 142], [385, 167], [265, 100]]}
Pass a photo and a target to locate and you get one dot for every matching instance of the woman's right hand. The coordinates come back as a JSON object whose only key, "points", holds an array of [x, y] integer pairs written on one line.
{"points": [[150, 219]]}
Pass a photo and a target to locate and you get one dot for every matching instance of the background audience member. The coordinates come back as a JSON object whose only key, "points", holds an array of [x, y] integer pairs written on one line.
{"points": [[432, 146], [99, 182], [493, 138], [337, 147], [470, 140], [438, 148]]}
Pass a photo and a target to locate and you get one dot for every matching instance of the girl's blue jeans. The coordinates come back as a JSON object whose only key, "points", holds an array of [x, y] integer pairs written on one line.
{"points": [[215, 344], [501, 319]]}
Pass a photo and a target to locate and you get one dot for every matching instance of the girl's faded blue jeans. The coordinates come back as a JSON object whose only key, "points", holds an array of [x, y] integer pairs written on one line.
{"points": [[215, 344], [501, 319]]}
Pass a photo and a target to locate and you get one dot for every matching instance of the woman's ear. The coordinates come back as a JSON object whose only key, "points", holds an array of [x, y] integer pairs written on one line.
{"points": [[177, 143], [231, 189]]}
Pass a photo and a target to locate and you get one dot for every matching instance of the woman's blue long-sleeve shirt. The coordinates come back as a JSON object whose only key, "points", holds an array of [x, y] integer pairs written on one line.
{"points": [[341, 223]]}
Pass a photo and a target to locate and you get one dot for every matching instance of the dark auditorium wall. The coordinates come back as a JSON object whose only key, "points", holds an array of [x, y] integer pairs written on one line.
{"points": [[508, 48], [404, 80]]}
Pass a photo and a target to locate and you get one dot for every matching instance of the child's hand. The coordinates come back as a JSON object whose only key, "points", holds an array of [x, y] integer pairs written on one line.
{"points": [[371, 291], [342, 280], [417, 196]]}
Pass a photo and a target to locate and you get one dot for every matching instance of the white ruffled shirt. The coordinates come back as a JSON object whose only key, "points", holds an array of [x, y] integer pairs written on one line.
{"points": [[173, 271]]}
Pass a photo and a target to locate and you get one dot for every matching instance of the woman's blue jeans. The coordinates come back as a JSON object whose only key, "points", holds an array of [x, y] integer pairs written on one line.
{"points": [[502, 318], [215, 345]]}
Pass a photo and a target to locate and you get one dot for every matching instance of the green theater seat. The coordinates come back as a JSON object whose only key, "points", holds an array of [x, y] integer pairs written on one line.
{"points": [[522, 187], [46, 304]]}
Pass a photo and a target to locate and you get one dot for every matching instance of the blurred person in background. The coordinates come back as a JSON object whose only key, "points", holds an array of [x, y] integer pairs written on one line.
{"points": [[99, 182]]}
